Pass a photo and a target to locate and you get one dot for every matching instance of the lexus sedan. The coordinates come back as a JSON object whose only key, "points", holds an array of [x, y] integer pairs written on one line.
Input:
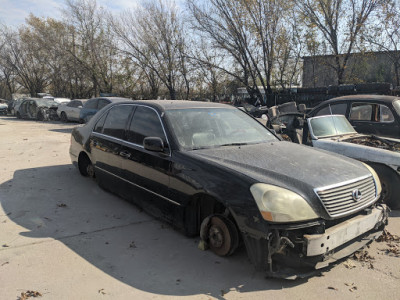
{"points": [[212, 170]]}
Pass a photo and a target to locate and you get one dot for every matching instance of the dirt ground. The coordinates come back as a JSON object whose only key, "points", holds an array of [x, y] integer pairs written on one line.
{"points": [[64, 237]]}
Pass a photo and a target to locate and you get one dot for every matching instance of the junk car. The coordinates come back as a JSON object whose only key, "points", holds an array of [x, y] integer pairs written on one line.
{"points": [[369, 114], [37, 109], [212, 170]]}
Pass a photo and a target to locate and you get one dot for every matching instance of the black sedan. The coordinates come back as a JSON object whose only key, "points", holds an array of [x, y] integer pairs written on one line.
{"points": [[212, 170], [368, 114]]}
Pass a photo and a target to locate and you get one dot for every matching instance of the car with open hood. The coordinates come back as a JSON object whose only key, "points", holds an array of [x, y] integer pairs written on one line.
{"points": [[368, 114], [215, 172]]}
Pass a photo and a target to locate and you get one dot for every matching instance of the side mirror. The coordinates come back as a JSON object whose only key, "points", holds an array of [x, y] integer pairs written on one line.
{"points": [[155, 144]]}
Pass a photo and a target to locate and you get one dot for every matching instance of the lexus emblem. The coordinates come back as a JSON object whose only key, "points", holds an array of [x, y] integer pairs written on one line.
{"points": [[356, 195]]}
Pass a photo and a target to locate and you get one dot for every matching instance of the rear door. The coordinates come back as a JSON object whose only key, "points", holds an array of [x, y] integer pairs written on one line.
{"points": [[106, 143]]}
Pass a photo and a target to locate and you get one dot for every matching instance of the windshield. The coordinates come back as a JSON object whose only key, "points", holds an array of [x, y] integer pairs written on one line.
{"points": [[396, 104], [330, 125], [199, 128]]}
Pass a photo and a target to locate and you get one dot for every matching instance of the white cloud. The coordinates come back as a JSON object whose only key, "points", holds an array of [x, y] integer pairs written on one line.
{"points": [[13, 13]]}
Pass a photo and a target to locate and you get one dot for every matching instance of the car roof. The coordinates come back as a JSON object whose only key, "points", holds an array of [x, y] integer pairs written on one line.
{"points": [[164, 105], [113, 99], [367, 98]]}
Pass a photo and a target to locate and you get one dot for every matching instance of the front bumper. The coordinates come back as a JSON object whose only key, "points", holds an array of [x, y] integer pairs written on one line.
{"points": [[298, 253], [318, 244]]}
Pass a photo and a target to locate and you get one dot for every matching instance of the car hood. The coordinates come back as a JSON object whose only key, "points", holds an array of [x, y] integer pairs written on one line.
{"points": [[286, 164], [366, 148]]}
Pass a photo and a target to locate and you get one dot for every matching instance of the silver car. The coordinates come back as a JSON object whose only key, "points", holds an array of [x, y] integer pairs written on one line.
{"points": [[70, 111]]}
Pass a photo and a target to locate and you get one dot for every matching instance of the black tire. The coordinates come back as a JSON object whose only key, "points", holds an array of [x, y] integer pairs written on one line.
{"points": [[18, 115], [64, 117], [85, 166], [390, 182]]}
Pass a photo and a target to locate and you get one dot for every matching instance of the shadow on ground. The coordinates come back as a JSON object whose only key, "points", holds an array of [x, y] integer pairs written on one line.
{"points": [[119, 239]]}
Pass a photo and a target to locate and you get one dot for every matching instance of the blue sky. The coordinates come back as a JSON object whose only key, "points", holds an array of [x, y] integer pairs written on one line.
{"points": [[14, 12]]}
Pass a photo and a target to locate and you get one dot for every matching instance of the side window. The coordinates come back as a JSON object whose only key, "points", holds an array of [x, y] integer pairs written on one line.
{"points": [[337, 109], [91, 104], [100, 124], [145, 123], [385, 114], [116, 120], [102, 103], [361, 112], [71, 104]]}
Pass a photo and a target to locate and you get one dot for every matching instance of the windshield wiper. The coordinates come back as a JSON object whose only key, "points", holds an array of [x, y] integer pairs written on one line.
{"points": [[234, 144]]}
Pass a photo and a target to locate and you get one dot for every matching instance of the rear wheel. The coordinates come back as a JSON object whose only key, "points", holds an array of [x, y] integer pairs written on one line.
{"points": [[85, 166], [64, 117]]}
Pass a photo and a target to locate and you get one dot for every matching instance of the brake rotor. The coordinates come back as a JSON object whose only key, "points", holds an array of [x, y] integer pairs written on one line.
{"points": [[222, 236]]}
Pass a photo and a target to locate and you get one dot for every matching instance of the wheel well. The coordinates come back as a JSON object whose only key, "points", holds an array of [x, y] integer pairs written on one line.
{"points": [[200, 207]]}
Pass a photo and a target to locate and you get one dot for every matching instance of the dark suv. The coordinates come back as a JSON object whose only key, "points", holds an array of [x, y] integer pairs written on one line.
{"points": [[369, 114]]}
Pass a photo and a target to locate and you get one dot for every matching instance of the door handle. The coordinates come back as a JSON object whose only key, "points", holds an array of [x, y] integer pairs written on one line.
{"points": [[125, 154]]}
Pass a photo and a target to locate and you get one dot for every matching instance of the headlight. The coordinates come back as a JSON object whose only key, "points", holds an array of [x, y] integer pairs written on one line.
{"points": [[277, 204], [376, 178]]}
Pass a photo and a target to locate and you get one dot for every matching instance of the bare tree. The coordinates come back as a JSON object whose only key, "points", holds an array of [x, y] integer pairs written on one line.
{"points": [[246, 32], [153, 36], [93, 47], [340, 23]]}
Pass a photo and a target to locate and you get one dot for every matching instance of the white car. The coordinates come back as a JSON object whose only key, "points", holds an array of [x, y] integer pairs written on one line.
{"points": [[334, 133], [70, 111]]}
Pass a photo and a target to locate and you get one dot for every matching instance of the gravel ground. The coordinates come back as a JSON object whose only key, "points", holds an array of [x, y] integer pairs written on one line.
{"points": [[65, 238]]}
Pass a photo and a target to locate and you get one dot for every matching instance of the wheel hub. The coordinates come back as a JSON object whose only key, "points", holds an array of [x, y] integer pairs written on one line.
{"points": [[216, 236]]}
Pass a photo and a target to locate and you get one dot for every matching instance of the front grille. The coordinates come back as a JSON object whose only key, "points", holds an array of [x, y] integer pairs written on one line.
{"points": [[338, 199]]}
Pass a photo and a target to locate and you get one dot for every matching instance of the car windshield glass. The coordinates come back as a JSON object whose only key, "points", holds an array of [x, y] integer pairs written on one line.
{"points": [[198, 128], [46, 102], [396, 104], [330, 125]]}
